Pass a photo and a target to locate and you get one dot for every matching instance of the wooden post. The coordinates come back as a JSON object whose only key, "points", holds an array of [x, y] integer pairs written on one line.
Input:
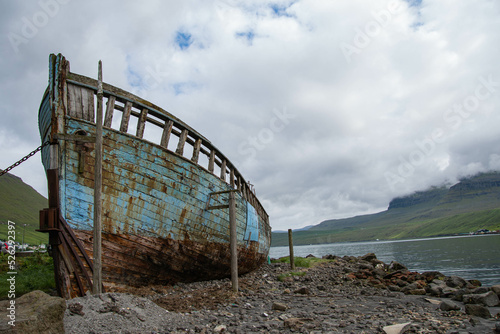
{"points": [[233, 245], [290, 245], [97, 275]]}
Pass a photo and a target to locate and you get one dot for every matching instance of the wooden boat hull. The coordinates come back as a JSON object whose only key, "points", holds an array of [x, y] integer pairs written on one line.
{"points": [[163, 215]]}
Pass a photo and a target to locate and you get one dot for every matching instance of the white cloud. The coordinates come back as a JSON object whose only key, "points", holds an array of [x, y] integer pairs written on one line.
{"points": [[354, 120]]}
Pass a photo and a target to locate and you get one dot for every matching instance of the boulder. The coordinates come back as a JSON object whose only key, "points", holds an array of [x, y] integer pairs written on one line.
{"points": [[448, 305], [477, 310], [35, 312], [368, 257], [486, 299], [310, 256], [279, 306], [396, 266], [431, 276], [496, 289], [455, 282]]}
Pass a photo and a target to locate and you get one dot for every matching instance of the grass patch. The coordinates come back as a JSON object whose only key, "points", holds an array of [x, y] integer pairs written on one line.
{"points": [[35, 272], [282, 277], [303, 262]]}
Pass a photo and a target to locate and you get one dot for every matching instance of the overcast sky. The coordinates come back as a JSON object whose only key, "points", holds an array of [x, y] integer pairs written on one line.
{"points": [[330, 108]]}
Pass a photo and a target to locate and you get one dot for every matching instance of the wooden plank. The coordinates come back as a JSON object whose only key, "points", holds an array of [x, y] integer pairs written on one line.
{"points": [[211, 161], [182, 142], [231, 178], [88, 105], [141, 124], [223, 170], [97, 277], [167, 130], [126, 117], [233, 241], [110, 107], [196, 151]]}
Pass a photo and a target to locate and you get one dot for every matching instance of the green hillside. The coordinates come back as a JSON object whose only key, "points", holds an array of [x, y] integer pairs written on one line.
{"points": [[470, 205], [21, 204]]}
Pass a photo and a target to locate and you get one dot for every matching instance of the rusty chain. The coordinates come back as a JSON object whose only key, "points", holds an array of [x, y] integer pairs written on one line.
{"points": [[5, 171]]}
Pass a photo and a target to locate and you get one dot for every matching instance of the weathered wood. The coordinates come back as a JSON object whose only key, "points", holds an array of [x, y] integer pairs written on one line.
{"points": [[141, 123], [110, 108], [211, 161], [182, 142], [126, 117], [81, 103], [165, 137], [223, 170], [234, 241], [196, 151], [231, 178], [290, 246], [97, 277], [153, 201]]}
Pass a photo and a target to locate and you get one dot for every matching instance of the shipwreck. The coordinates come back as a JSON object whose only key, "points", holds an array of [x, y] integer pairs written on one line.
{"points": [[163, 195]]}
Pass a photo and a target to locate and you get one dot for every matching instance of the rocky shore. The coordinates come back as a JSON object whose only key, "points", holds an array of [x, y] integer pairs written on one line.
{"points": [[343, 295]]}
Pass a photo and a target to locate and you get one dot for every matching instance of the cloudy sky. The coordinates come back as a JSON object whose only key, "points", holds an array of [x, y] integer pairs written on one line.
{"points": [[330, 108]]}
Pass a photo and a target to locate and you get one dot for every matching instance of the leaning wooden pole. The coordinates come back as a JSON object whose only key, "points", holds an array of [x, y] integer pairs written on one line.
{"points": [[233, 245], [290, 245], [97, 274]]}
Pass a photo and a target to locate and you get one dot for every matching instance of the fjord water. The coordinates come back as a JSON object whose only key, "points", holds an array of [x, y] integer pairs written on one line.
{"points": [[469, 257]]}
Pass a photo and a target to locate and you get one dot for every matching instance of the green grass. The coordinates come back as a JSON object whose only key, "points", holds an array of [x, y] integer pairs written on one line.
{"points": [[34, 272], [302, 262], [21, 204], [282, 277]]}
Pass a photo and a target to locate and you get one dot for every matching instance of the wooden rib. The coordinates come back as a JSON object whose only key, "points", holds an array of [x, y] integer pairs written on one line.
{"points": [[165, 137], [211, 161], [223, 170], [126, 117], [110, 107], [231, 177], [196, 151], [141, 124], [182, 142]]}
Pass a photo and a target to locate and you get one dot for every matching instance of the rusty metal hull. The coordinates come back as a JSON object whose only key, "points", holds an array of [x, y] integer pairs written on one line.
{"points": [[163, 213]]}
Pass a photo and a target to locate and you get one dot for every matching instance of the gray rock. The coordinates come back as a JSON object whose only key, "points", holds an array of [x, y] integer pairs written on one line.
{"points": [[303, 291], [448, 305], [477, 310], [368, 257], [486, 299], [279, 306], [455, 282], [496, 289], [395, 266]]}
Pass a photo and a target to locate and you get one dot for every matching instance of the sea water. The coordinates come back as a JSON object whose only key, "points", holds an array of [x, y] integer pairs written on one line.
{"points": [[469, 257]]}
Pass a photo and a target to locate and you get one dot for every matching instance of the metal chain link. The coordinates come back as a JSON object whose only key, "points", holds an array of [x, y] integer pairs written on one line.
{"points": [[5, 171]]}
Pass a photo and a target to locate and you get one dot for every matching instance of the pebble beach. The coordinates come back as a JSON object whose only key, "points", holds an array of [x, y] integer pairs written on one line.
{"points": [[343, 295]]}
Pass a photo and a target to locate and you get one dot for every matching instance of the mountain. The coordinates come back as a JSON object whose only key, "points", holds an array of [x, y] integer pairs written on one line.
{"points": [[470, 205], [21, 204]]}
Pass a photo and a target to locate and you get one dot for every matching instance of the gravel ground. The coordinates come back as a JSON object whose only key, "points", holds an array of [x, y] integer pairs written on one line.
{"points": [[331, 297]]}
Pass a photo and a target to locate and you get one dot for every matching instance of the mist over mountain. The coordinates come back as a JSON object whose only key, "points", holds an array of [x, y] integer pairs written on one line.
{"points": [[470, 205]]}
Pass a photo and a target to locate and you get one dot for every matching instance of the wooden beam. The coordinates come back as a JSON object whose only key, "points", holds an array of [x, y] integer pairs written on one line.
{"points": [[110, 107], [141, 124], [126, 117], [234, 241], [97, 240], [167, 130]]}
